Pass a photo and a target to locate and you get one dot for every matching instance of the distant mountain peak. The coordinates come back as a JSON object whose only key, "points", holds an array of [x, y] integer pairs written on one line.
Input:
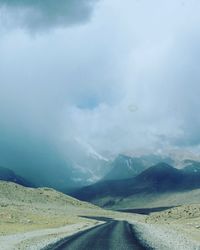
{"points": [[160, 170], [89, 149], [192, 166], [162, 166], [10, 176], [159, 179], [124, 167]]}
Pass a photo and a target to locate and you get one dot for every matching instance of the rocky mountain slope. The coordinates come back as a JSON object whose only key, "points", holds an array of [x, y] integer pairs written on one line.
{"points": [[158, 180], [124, 167], [31, 218], [24, 209]]}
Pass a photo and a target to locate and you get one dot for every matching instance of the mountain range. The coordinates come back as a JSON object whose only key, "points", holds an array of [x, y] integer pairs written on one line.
{"points": [[10, 176], [125, 167], [114, 182], [85, 167], [156, 180]]}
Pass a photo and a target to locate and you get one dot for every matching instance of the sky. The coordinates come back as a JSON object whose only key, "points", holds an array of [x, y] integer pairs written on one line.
{"points": [[115, 76]]}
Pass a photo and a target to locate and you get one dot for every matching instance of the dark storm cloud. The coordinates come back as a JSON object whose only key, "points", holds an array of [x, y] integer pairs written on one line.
{"points": [[41, 14]]}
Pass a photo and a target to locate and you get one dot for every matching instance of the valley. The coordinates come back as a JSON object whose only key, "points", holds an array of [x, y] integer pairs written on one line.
{"points": [[99, 125], [157, 203]]}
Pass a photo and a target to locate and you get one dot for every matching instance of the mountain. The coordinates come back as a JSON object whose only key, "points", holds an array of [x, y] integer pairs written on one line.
{"points": [[28, 209], [192, 171], [149, 160], [90, 166], [79, 166], [159, 179], [124, 167], [88, 170], [87, 165], [192, 167], [9, 175]]}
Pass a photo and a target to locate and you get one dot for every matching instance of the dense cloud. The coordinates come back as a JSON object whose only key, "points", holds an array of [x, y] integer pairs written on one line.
{"points": [[115, 84], [42, 14]]}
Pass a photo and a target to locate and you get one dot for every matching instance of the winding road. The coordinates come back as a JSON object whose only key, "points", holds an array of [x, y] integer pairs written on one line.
{"points": [[113, 235]]}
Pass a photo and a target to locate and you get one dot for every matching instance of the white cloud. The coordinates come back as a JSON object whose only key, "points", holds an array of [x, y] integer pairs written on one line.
{"points": [[81, 82]]}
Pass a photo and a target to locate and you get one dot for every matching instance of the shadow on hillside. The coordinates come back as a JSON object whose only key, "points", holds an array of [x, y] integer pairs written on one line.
{"points": [[145, 211]]}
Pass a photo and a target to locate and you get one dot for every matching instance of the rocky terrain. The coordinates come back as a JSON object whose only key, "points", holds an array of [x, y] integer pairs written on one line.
{"points": [[33, 218], [23, 209], [175, 228], [40, 216]]}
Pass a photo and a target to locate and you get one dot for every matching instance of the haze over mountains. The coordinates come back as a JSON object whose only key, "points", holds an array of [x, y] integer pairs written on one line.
{"points": [[68, 107], [90, 168], [86, 168], [99, 99], [154, 181], [9, 175], [82, 166], [124, 167]]}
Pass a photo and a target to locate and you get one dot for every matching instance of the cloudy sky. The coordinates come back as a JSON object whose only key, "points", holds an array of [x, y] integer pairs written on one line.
{"points": [[117, 76]]}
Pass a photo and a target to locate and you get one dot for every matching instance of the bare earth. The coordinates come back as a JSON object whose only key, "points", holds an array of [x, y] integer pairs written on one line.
{"points": [[33, 218], [176, 228]]}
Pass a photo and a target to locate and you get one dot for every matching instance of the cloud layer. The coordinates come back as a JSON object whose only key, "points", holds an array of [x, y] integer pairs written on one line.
{"points": [[37, 14], [117, 84]]}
